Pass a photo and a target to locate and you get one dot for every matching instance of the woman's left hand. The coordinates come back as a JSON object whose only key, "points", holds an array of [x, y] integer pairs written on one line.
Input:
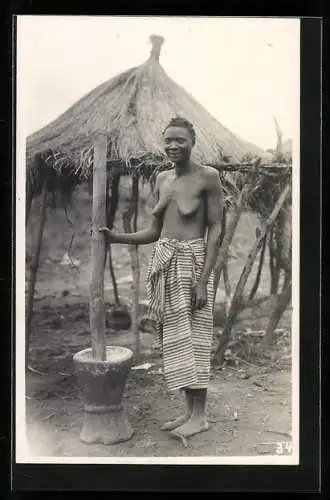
{"points": [[199, 298]]}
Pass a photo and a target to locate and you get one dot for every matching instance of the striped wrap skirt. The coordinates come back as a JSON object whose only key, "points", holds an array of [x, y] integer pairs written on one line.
{"points": [[185, 335]]}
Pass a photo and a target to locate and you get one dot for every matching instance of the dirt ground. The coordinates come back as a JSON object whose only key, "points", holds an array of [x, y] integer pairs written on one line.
{"points": [[249, 404]]}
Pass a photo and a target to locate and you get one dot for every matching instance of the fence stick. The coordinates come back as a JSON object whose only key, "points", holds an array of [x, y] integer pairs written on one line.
{"points": [[237, 297]]}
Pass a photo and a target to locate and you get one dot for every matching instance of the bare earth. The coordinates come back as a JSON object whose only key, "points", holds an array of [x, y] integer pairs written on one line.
{"points": [[249, 399]]}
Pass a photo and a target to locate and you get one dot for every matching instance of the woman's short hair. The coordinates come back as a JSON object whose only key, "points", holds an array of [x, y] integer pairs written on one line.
{"points": [[178, 121]]}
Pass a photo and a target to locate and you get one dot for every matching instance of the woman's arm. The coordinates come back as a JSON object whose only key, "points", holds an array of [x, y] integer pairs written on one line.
{"points": [[143, 237]]}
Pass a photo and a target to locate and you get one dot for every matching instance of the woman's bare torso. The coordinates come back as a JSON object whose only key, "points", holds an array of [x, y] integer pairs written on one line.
{"points": [[182, 205]]}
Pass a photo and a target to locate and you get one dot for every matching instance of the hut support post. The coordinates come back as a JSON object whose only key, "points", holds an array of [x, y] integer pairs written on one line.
{"points": [[113, 277], [136, 270], [34, 267], [131, 213], [112, 205], [236, 301], [28, 204], [97, 310], [29, 187]]}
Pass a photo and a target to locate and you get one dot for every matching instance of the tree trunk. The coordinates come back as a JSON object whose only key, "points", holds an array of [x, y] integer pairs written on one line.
{"points": [[281, 305], [97, 310], [34, 268], [238, 294], [128, 215], [258, 276]]}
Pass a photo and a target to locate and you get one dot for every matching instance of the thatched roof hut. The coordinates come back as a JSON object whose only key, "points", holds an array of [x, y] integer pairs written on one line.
{"points": [[131, 109]]}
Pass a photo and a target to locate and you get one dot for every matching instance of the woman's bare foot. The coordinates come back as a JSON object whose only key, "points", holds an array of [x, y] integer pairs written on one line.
{"points": [[177, 422], [190, 428], [173, 424]]}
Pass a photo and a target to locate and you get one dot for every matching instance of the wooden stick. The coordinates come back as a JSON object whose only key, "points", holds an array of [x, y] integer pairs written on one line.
{"points": [[112, 205], [266, 169], [127, 223], [274, 259], [35, 266], [258, 276], [271, 248], [113, 199], [228, 236], [135, 199], [238, 294], [275, 170], [278, 252], [97, 310], [225, 273], [28, 204], [136, 270], [38, 165], [281, 305], [113, 277]]}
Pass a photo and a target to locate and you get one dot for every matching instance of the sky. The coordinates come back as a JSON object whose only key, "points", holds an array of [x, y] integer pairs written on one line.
{"points": [[244, 71]]}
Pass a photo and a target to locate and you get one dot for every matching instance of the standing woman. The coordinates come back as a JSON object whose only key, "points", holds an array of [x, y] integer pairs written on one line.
{"points": [[186, 226]]}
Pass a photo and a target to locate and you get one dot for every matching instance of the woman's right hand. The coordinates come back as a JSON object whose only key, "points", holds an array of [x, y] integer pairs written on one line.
{"points": [[110, 235]]}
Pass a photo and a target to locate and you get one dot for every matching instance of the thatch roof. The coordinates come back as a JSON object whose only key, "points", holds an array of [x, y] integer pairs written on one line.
{"points": [[132, 109]]}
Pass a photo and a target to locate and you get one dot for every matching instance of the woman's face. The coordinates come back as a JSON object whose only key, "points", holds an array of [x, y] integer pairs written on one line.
{"points": [[177, 144]]}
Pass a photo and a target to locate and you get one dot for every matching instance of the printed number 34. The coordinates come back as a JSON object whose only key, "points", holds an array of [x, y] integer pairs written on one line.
{"points": [[283, 447]]}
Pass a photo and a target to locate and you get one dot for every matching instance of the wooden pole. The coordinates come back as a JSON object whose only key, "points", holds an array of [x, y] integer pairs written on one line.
{"points": [[271, 262], [267, 169], [277, 256], [28, 203], [113, 277], [128, 224], [281, 305], [284, 258], [275, 259], [112, 205], [34, 267], [97, 310], [260, 266], [136, 271], [226, 281], [238, 294], [217, 271]]}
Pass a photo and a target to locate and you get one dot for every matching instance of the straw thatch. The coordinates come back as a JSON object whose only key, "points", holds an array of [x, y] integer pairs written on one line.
{"points": [[132, 109]]}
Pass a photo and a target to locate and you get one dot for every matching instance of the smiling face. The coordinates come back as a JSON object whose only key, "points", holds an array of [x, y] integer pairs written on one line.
{"points": [[178, 144]]}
